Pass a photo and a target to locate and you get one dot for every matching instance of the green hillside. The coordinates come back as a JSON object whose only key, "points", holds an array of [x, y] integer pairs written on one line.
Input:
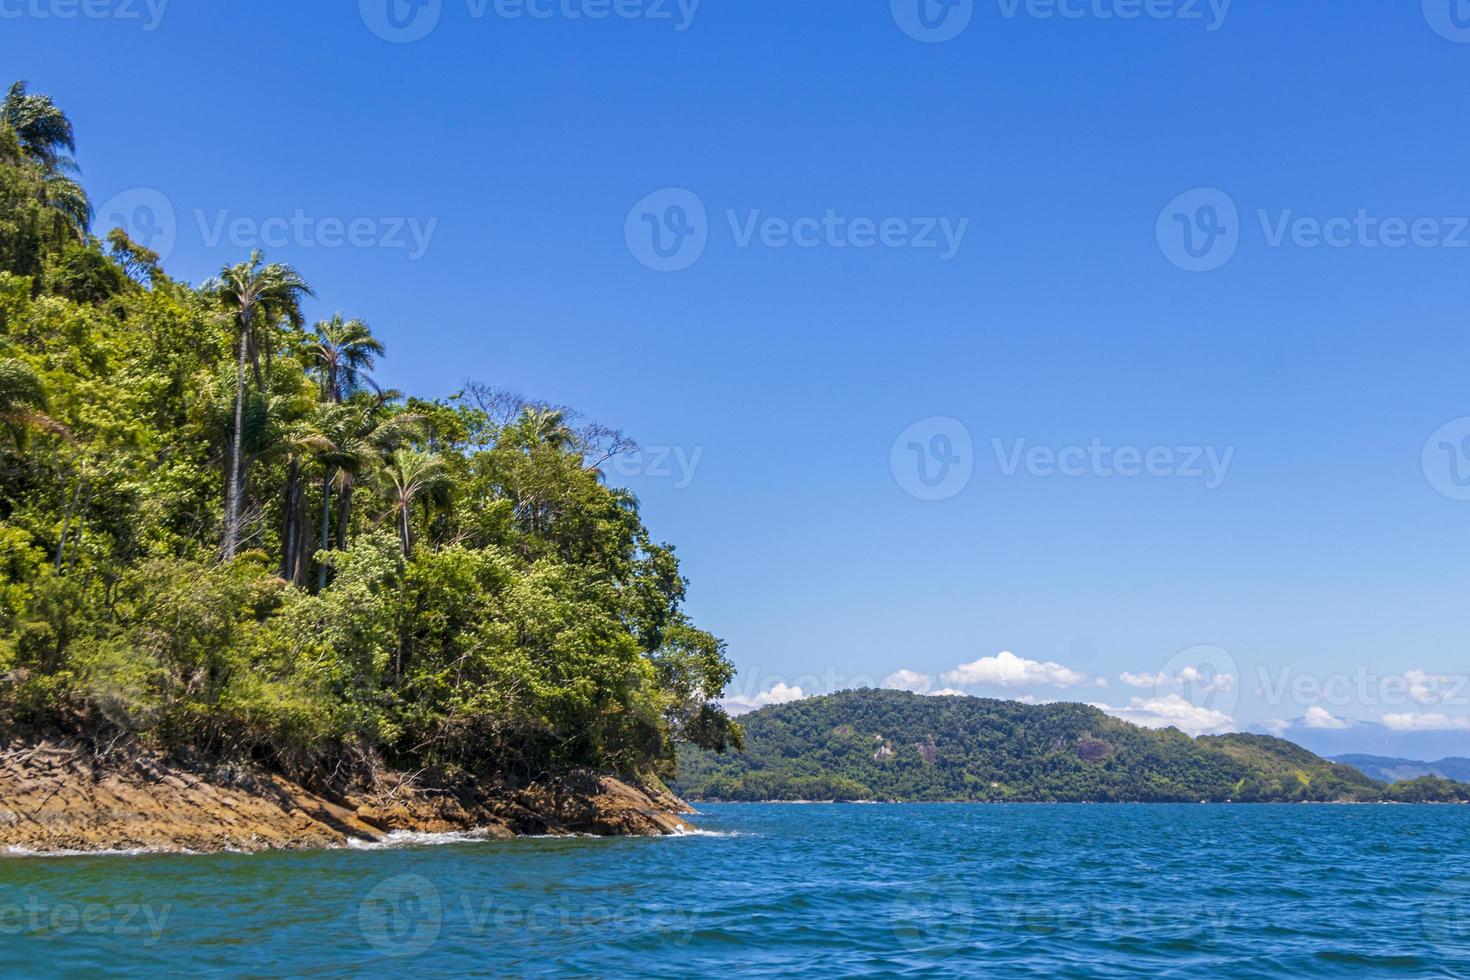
{"points": [[892, 745]]}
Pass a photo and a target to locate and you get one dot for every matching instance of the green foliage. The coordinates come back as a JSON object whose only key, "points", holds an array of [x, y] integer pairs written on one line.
{"points": [[891, 745], [218, 534]]}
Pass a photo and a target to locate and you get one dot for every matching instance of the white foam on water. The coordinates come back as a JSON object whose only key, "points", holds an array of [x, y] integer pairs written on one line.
{"points": [[412, 838]]}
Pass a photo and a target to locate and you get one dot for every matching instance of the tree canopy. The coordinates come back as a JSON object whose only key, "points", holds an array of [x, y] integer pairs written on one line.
{"points": [[219, 534]]}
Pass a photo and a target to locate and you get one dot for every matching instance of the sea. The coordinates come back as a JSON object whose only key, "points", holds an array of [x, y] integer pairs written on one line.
{"points": [[773, 890]]}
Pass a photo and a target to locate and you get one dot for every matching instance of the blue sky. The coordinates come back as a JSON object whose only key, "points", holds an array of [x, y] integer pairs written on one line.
{"points": [[785, 369]]}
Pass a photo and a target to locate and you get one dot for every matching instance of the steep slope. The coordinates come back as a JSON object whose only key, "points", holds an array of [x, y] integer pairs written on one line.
{"points": [[891, 745]]}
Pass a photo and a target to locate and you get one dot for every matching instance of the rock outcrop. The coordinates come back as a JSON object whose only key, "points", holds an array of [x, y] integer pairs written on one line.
{"points": [[57, 796]]}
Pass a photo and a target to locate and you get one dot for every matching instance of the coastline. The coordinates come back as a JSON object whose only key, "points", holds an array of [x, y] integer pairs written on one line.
{"points": [[58, 798]]}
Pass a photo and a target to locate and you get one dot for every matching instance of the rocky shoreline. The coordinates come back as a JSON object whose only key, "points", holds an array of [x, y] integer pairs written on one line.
{"points": [[57, 797]]}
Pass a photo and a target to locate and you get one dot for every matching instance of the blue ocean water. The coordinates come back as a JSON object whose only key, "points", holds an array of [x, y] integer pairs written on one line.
{"points": [[793, 890]]}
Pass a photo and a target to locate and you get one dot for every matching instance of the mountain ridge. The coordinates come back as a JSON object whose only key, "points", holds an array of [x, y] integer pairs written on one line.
{"points": [[895, 746]]}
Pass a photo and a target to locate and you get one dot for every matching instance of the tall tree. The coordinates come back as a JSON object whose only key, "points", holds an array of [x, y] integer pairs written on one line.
{"points": [[257, 296], [410, 475], [344, 353], [47, 140]]}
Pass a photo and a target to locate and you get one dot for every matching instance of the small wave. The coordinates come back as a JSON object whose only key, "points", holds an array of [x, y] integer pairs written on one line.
{"points": [[700, 832], [412, 838], [27, 852]]}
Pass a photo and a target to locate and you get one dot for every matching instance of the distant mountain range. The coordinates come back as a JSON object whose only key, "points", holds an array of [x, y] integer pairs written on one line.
{"points": [[1386, 769], [892, 745]]}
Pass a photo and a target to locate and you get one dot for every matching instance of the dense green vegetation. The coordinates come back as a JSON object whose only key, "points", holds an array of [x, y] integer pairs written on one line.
{"points": [[218, 534], [891, 745]]}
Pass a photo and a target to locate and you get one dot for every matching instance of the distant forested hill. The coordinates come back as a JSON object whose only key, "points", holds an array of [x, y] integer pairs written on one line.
{"points": [[892, 745], [1391, 770]]}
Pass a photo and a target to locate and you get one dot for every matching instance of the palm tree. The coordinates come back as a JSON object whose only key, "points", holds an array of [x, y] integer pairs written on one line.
{"points": [[547, 427], [257, 297], [23, 401], [45, 134], [47, 139], [343, 353], [409, 476]]}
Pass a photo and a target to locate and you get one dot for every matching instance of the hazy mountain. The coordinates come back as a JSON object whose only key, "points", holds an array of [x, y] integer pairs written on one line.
{"points": [[1390, 770]]}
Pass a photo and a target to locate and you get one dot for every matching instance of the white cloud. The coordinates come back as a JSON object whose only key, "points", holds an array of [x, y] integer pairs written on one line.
{"points": [[1174, 711], [739, 704], [1005, 669], [1410, 722], [947, 692], [1277, 726], [1427, 688], [1320, 718], [908, 680], [1191, 677]]}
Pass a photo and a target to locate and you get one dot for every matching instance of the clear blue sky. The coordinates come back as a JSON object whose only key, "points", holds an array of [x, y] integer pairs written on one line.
{"points": [[791, 371]]}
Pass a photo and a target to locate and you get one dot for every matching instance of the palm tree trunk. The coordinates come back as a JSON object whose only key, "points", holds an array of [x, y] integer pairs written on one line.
{"points": [[292, 530], [71, 509], [232, 487], [403, 527], [344, 511], [321, 575]]}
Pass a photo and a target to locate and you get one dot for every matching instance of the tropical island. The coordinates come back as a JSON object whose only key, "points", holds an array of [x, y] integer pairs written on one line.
{"points": [[871, 745], [238, 577]]}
